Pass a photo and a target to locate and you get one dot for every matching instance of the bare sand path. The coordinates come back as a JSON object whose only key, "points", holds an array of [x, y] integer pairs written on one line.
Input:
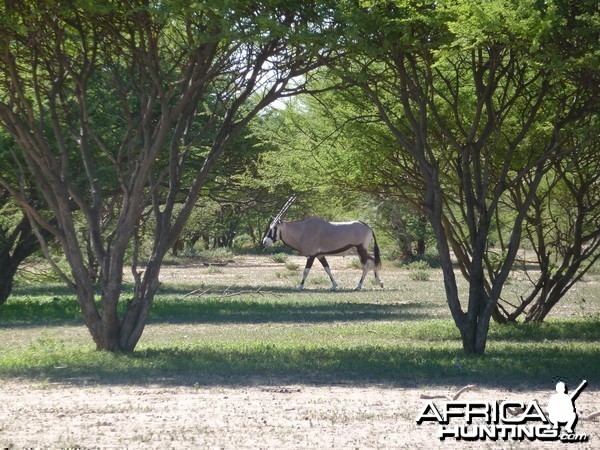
{"points": [[46, 415]]}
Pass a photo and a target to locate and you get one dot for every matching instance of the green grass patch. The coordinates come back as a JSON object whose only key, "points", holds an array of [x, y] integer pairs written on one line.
{"points": [[292, 266], [279, 258], [289, 358], [40, 305], [286, 336]]}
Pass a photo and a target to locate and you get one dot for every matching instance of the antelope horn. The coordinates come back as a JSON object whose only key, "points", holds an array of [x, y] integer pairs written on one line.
{"points": [[285, 208]]}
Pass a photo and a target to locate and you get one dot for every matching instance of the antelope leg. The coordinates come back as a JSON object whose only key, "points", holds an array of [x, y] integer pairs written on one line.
{"points": [[328, 270], [362, 278], [364, 260], [309, 263], [377, 276]]}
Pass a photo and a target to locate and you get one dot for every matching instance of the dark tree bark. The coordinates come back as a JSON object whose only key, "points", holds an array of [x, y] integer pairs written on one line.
{"points": [[17, 243], [15, 246], [563, 228]]}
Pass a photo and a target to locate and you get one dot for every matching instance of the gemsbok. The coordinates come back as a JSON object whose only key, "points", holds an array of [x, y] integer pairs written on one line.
{"points": [[316, 238]]}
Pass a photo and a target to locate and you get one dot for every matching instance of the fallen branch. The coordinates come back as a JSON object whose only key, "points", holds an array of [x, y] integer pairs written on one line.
{"points": [[258, 291], [468, 387], [227, 293], [462, 390], [195, 291], [590, 416]]}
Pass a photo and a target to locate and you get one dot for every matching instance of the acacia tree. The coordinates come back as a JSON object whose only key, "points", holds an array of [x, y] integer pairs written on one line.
{"points": [[563, 228], [121, 109], [477, 97]]}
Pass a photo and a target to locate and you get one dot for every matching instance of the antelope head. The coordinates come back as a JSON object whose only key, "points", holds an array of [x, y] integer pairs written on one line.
{"points": [[272, 234]]}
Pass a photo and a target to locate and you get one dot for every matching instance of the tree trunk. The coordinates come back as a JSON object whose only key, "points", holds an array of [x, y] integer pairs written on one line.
{"points": [[138, 309], [108, 330], [475, 339], [420, 247], [421, 241], [553, 290], [14, 249], [8, 268]]}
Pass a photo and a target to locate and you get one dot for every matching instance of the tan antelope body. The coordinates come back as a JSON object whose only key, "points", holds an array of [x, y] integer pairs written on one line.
{"points": [[315, 238]]}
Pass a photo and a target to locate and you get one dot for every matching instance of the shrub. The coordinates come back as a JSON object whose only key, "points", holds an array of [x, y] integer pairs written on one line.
{"points": [[292, 266], [418, 271], [279, 258]]}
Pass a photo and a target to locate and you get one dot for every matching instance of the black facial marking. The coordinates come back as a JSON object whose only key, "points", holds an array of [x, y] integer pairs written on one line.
{"points": [[271, 231]]}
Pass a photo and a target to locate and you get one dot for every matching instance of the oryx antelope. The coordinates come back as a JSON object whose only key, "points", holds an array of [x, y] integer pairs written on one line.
{"points": [[315, 238]]}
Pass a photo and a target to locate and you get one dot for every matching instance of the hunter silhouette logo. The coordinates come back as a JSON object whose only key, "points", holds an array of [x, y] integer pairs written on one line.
{"points": [[561, 408], [507, 420]]}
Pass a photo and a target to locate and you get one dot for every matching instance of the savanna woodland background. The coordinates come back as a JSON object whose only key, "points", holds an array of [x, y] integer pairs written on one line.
{"points": [[145, 146]]}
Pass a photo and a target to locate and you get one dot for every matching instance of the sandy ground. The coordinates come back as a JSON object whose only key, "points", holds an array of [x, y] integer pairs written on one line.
{"points": [[295, 416]]}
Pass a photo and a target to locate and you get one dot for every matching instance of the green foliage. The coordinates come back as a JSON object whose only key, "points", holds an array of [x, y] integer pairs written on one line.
{"points": [[135, 109], [531, 66], [219, 253], [294, 165], [475, 98], [502, 21]]}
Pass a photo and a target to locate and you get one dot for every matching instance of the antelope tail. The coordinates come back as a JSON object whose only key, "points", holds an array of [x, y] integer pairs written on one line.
{"points": [[376, 252]]}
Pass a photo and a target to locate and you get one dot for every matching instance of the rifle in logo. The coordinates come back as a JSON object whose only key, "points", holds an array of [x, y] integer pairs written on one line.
{"points": [[561, 407]]}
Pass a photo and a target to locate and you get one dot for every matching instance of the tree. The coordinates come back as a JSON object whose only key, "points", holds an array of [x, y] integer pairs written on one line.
{"points": [[18, 238], [333, 148], [233, 202], [295, 163], [563, 229], [479, 98], [141, 99], [17, 242]]}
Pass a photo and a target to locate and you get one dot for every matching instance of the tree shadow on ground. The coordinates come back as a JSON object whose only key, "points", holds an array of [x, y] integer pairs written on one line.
{"points": [[252, 307], [219, 310], [523, 355], [361, 365]]}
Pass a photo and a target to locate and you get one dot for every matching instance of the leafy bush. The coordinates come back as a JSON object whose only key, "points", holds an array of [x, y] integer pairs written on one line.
{"points": [[279, 257], [292, 266], [418, 271]]}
